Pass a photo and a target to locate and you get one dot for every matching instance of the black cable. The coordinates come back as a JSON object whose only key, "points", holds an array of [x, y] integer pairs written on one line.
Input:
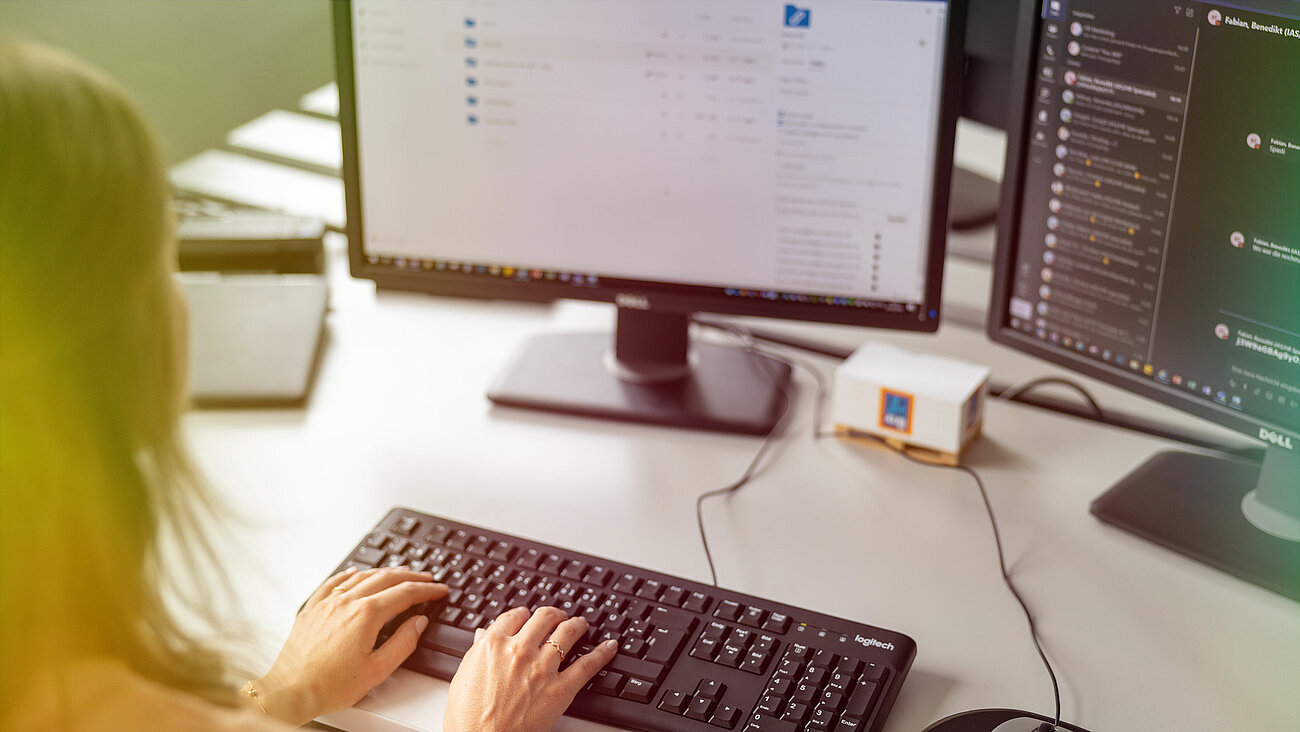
{"points": [[1002, 562], [1012, 394], [777, 430]]}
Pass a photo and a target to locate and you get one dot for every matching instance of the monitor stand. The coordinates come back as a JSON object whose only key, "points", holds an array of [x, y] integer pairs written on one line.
{"points": [[651, 372], [1231, 513]]}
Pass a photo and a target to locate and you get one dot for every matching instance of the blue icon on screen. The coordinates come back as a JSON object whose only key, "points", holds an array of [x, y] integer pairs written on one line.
{"points": [[797, 17], [472, 119], [469, 22], [470, 42], [471, 81], [471, 100], [470, 62]]}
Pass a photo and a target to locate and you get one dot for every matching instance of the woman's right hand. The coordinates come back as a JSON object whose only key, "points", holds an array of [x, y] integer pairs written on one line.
{"points": [[510, 678]]}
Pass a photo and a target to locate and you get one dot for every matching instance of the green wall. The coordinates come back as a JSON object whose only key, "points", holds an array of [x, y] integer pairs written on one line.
{"points": [[198, 68]]}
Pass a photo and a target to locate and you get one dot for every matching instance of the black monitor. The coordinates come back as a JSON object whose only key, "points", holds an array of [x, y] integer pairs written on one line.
{"points": [[1149, 236], [780, 159]]}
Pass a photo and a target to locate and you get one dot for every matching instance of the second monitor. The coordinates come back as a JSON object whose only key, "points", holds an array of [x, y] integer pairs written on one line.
{"points": [[772, 159]]}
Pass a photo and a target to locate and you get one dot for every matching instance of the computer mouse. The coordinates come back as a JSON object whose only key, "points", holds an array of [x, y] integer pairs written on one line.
{"points": [[998, 720]]}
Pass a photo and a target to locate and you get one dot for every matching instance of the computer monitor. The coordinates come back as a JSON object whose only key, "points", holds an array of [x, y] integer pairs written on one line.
{"points": [[1149, 236], [780, 159]]}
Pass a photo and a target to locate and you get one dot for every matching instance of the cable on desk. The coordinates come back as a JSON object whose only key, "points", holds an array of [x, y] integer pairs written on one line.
{"points": [[1002, 562], [746, 338], [771, 439], [1013, 394]]}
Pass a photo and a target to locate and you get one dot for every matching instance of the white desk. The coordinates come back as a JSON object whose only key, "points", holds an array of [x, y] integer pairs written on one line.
{"points": [[1141, 638]]}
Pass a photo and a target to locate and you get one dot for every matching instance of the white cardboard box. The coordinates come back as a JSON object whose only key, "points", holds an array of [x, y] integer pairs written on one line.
{"points": [[916, 398]]}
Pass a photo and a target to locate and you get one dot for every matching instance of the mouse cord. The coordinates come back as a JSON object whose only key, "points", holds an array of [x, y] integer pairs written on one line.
{"points": [[1002, 562]]}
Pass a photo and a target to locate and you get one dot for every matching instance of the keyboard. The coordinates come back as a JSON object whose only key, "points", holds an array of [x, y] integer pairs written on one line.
{"points": [[691, 656]]}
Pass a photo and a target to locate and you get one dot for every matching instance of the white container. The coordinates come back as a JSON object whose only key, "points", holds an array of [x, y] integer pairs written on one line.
{"points": [[910, 397]]}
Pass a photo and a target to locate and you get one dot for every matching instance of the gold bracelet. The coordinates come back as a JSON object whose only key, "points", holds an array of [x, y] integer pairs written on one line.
{"points": [[251, 691]]}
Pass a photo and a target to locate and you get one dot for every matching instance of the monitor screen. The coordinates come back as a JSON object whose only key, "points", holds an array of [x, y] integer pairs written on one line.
{"points": [[1157, 241], [787, 159]]}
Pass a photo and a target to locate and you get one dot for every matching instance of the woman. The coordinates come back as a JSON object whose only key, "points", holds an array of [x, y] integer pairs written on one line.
{"points": [[99, 507]]}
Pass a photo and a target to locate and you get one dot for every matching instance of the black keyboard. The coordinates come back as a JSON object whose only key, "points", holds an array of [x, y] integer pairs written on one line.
{"points": [[691, 656]]}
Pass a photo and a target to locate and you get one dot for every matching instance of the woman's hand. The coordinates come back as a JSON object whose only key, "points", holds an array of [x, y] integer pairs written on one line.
{"points": [[330, 661], [510, 678]]}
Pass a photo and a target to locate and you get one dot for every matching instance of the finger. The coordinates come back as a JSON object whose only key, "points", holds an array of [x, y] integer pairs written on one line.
{"points": [[582, 670], [390, 655], [356, 578], [328, 585], [385, 578], [395, 599], [510, 621], [566, 635], [540, 626]]}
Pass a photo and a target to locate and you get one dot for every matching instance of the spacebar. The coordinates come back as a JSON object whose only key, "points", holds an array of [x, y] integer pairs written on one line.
{"points": [[447, 638]]}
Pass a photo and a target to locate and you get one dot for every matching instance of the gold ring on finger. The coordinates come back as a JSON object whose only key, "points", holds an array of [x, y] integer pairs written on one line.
{"points": [[557, 648]]}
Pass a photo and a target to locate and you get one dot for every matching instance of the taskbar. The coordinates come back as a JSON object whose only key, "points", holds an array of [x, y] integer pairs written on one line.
{"points": [[587, 279]]}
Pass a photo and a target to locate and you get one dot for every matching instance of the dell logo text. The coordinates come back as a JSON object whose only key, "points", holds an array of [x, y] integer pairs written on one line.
{"points": [[632, 302], [1277, 438]]}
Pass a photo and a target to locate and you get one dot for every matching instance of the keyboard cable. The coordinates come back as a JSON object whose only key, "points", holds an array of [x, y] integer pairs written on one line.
{"points": [[741, 335]]}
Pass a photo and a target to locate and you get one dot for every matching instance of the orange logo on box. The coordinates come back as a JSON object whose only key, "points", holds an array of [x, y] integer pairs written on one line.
{"points": [[896, 411]]}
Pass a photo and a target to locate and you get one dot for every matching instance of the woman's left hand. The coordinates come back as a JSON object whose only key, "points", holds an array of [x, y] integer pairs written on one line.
{"points": [[329, 661]]}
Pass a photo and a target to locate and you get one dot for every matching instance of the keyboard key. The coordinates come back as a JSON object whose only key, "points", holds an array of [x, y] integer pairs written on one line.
{"points": [[664, 644], [637, 690], [715, 630], [438, 534], [728, 610], [821, 717], [530, 559], [697, 602], [861, 699], [606, 682], [626, 583], [574, 569], [501, 552], [777, 622], [636, 667], [796, 712], [674, 701], [368, 556], [551, 564], [701, 708], [768, 723], [705, 648], [753, 616], [673, 595], [459, 539], [805, 693], [848, 724], [376, 541], [449, 614], [407, 525], [447, 639], [650, 589], [725, 716], [597, 576], [730, 655], [754, 663], [712, 688], [672, 617]]}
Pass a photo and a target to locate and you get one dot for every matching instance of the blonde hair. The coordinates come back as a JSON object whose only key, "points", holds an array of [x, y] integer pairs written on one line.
{"points": [[92, 377]]}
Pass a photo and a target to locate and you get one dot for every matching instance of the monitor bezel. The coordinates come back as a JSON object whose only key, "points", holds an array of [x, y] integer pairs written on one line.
{"points": [[1009, 211], [659, 296]]}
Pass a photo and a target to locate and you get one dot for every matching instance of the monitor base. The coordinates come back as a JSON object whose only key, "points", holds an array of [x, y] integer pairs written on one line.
{"points": [[725, 390], [1192, 504]]}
